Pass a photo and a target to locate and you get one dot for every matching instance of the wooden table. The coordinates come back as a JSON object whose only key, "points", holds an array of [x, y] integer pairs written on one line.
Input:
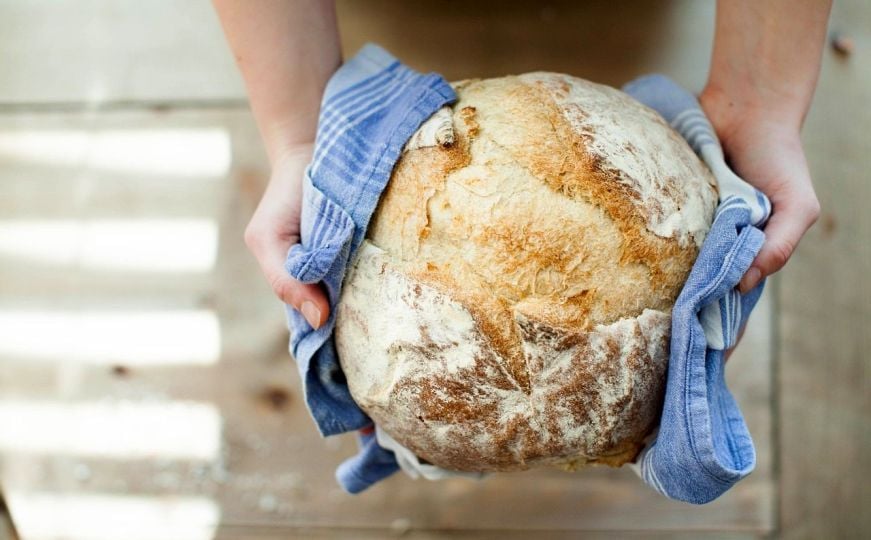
{"points": [[127, 174]]}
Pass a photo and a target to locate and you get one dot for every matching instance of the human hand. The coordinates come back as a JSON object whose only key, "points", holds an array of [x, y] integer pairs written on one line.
{"points": [[274, 227], [286, 52], [768, 154]]}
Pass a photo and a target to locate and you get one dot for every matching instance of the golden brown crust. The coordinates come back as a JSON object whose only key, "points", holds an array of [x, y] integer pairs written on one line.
{"points": [[556, 259], [419, 363], [588, 180]]}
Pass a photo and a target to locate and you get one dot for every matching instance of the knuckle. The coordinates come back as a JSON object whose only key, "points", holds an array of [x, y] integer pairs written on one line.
{"points": [[283, 288]]}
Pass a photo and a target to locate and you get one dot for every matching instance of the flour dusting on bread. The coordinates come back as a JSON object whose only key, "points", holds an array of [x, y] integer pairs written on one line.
{"points": [[510, 306]]}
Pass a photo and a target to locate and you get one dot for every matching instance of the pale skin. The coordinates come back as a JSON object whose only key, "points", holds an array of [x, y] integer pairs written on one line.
{"points": [[764, 69]]}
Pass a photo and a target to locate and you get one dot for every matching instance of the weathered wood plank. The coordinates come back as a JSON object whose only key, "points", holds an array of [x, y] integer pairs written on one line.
{"points": [[272, 468], [272, 473], [825, 306], [399, 531], [608, 42], [158, 51]]}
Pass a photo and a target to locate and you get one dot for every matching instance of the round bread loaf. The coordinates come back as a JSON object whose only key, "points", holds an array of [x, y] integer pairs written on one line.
{"points": [[510, 306]]}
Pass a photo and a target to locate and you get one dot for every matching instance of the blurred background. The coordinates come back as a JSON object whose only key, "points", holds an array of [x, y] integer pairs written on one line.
{"points": [[145, 386]]}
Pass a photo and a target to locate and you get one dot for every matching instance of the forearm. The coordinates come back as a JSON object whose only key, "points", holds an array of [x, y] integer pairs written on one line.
{"points": [[764, 69], [766, 57], [286, 52]]}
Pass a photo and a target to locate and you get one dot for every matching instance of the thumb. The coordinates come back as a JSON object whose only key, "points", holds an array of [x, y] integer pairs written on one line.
{"points": [[787, 225], [307, 298]]}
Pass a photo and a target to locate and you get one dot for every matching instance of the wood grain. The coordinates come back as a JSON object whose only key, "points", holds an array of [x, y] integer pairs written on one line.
{"points": [[825, 309], [273, 476], [273, 470]]}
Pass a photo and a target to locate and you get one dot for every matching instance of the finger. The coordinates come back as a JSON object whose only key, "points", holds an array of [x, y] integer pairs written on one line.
{"points": [[307, 298], [787, 225]]}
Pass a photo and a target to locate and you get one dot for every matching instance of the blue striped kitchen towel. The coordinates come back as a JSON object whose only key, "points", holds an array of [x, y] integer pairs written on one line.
{"points": [[703, 446], [371, 106]]}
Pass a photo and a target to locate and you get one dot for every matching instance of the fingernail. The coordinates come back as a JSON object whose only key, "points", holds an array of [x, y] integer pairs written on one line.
{"points": [[311, 313], [750, 280]]}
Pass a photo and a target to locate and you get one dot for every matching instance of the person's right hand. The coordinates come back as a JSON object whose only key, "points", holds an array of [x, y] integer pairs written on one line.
{"points": [[274, 227]]}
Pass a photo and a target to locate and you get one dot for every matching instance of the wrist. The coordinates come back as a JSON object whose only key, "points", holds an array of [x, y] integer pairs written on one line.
{"points": [[733, 114], [291, 153], [289, 136], [289, 124]]}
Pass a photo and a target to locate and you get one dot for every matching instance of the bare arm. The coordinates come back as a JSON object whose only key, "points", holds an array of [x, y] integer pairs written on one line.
{"points": [[286, 52], [764, 70]]}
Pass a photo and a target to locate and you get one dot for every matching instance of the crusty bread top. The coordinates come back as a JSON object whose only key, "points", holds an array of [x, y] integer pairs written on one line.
{"points": [[562, 212], [528, 211], [670, 187]]}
